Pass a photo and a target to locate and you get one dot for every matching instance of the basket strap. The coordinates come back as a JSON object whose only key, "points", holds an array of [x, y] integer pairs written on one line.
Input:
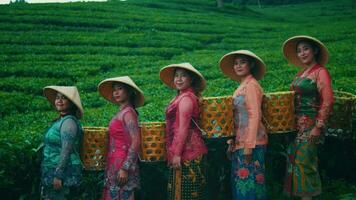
{"points": [[201, 130], [266, 123]]}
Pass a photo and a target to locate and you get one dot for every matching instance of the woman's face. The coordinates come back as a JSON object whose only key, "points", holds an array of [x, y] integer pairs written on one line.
{"points": [[306, 53], [62, 103], [120, 93], [242, 66], [182, 79]]}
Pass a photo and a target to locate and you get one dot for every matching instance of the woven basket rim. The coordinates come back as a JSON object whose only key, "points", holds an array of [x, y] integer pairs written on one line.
{"points": [[279, 92], [94, 128], [349, 95], [145, 160], [218, 97], [144, 123]]}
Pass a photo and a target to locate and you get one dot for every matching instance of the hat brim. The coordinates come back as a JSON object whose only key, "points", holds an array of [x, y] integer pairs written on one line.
{"points": [[227, 63], [290, 50], [167, 75], [50, 92], [106, 89]]}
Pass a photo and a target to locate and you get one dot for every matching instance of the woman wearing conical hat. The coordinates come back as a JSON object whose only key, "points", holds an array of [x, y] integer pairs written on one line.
{"points": [[121, 174], [247, 151], [313, 104], [184, 144], [61, 165]]}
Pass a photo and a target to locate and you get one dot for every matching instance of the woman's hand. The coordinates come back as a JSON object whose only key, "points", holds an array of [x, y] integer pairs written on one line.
{"points": [[248, 156], [122, 177], [231, 147], [314, 135], [57, 184], [247, 159], [176, 163]]}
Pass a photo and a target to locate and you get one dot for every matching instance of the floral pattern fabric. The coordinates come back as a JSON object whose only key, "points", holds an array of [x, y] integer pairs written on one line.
{"points": [[313, 105], [183, 138], [124, 142], [248, 179], [61, 159]]}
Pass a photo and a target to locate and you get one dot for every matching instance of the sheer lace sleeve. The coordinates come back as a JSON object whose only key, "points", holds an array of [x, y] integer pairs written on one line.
{"points": [[253, 104], [131, 125], [326, 97], [68, 131], [185, 111]]}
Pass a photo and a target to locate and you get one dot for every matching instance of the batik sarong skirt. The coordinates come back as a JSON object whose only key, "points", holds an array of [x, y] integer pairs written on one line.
{"points": [[248, 179], [303, 177], [188, 182]]}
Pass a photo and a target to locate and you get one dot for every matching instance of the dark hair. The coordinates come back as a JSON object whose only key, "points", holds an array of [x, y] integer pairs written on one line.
{"points": [[251, 63], [74, 109], [313, 45]]}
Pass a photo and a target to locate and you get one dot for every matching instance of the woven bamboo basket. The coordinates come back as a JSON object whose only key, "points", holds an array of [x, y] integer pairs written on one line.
{"points": [[216, 118], [153, 145], [278, 112], [340, 121], [94, 148]]}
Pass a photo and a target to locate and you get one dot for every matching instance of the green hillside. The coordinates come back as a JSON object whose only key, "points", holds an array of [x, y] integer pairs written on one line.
{"points": [[83, 43]]}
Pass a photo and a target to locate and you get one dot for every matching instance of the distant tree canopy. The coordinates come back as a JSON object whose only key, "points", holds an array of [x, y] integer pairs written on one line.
{"points": [[220, 3], [18, 1], [275, 2]]}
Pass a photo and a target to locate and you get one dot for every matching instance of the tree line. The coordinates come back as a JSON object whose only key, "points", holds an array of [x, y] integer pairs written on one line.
{"points": [[221, 3]]}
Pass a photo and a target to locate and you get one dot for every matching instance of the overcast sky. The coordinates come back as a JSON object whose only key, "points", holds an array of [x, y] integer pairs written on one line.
{"points": [[46, 1]]}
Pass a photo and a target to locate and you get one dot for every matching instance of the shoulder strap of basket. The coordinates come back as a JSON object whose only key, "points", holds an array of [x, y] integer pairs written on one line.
{"points": [[266, 122], [196, 124], [201, 130]]}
